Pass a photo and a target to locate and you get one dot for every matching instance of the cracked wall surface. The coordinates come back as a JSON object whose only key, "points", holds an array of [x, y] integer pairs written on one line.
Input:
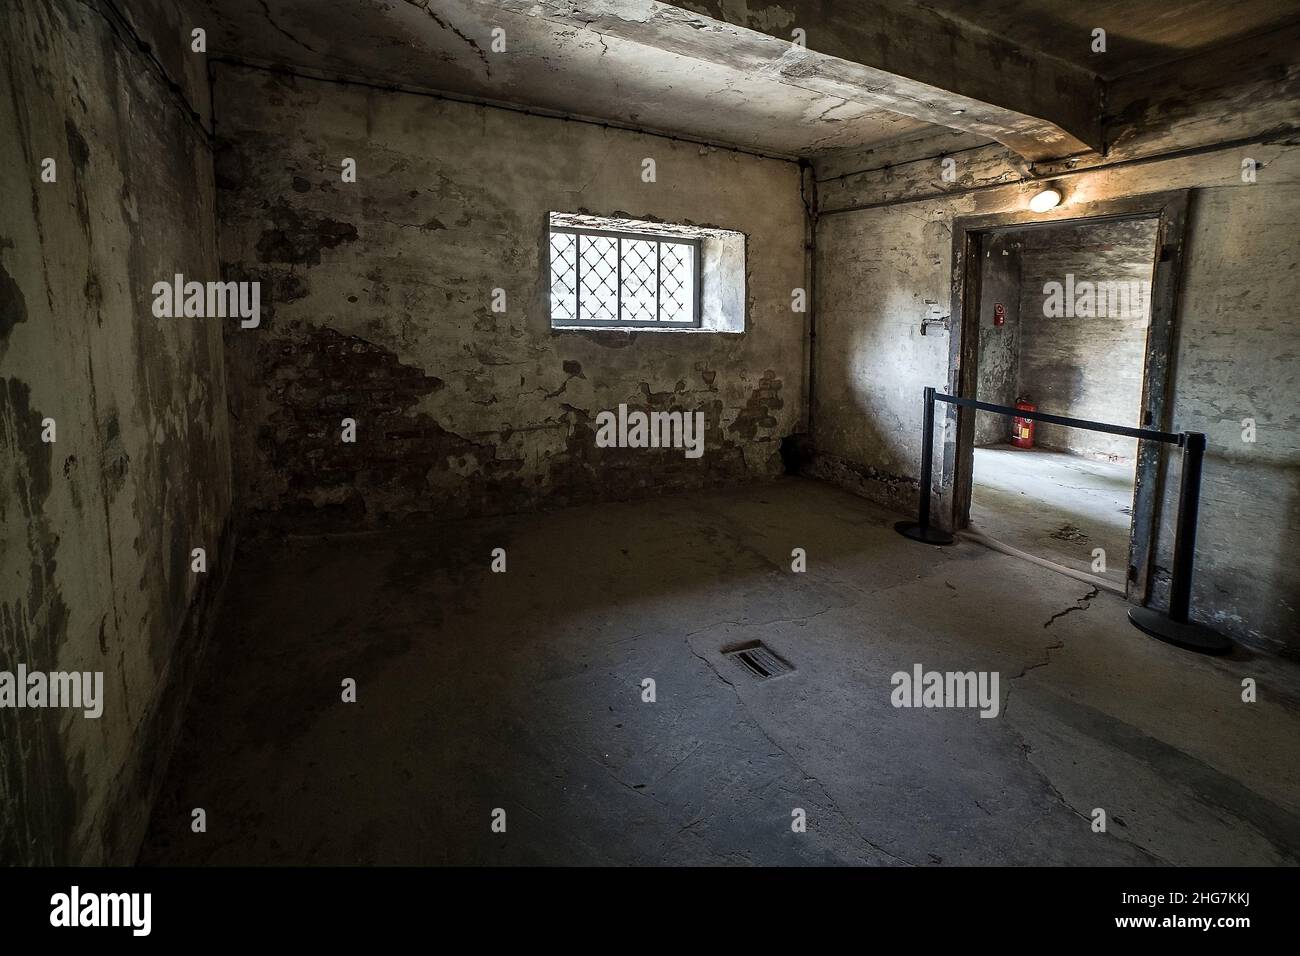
{"points": [[380, 307], [98, 525]]}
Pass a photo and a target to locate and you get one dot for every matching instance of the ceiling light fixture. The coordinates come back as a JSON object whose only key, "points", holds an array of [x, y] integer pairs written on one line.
{"points": [[1045, 200]]}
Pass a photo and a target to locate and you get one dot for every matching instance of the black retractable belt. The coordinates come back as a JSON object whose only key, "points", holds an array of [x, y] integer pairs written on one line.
{"points": [[1176, 626]]}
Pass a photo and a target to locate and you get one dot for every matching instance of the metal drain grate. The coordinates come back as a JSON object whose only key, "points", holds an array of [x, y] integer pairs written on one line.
{"points": [[759, 659]]}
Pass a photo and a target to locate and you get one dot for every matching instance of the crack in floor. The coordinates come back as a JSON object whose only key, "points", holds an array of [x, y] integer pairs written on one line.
{"points": [[1081, 604], [1060, 797]]}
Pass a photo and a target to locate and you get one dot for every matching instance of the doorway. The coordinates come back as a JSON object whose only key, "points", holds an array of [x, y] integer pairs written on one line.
{"points": [[1073, 314]]}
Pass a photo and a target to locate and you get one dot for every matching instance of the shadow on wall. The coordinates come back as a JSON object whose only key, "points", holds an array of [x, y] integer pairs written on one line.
{"points": [[881, 275], [1252, 595], [1287, 537], [898, 448]]}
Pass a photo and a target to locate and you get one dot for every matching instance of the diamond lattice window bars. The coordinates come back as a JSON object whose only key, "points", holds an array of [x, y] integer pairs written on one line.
{"points": [[604, 278]]}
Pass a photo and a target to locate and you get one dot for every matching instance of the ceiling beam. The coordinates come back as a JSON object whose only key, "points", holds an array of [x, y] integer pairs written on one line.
{"points": [[890, 55]]}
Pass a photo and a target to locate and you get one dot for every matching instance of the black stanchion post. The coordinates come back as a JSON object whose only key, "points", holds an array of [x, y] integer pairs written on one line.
{"points": [[927, 456], [1189, 502], [1177, 627], [920, 530]]}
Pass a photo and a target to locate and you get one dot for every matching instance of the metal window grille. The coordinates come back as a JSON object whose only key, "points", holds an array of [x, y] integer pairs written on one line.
{"points": [[601, 278]]}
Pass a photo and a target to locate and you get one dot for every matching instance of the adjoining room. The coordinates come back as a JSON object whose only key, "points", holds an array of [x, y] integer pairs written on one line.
{"points": [[1064, 314]]}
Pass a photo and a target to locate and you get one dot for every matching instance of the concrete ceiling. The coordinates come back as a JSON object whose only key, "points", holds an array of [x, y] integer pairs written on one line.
{"points": [[551, 65], [1139, 33], [1020, 72]]}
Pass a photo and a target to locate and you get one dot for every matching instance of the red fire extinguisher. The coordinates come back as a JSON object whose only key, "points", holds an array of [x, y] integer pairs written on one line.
{"points": [[1022, 429]]}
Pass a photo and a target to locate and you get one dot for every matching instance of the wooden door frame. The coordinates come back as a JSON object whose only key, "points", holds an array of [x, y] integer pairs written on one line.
{"points": [[1170, 209]]}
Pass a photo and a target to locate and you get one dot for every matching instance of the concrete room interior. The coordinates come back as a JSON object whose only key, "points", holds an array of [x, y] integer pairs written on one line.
{"points": [[366, 570]]}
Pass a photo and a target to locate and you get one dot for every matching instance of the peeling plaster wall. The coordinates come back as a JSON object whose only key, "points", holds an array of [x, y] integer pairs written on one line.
{"points": [[1237, 352], [380, 307], [98, 525]]}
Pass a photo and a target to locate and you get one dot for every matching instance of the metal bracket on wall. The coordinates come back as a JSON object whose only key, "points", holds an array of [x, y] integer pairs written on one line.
{"points": [[935, 317]]}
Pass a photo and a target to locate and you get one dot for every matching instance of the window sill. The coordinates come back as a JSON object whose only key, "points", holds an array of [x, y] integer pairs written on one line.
{"points": [[658, 330]]}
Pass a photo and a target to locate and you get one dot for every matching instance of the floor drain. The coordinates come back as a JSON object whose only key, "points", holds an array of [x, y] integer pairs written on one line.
{"points": [[759, 659]]}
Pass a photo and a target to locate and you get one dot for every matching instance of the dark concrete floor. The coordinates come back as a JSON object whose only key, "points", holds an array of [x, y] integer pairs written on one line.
{"points": [[522, 691]]}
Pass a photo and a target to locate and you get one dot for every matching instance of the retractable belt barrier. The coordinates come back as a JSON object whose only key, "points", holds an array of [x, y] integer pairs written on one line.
{"points": [[1176, 626]]}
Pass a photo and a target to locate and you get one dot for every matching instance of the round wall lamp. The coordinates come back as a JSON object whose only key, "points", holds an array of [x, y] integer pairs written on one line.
{"points": [[1045, 200]]}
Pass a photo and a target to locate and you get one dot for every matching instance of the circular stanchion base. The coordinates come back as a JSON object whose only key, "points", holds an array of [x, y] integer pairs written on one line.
{"points": [[1192, 637], [929, 535]]}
